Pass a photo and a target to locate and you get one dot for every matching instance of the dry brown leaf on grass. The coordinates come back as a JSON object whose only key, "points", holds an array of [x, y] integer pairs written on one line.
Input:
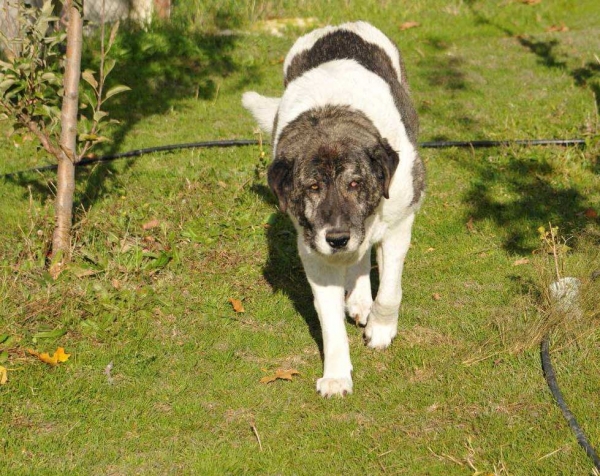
{"points": [[530, 2], [558, 28], [408, 25], [470, 225], [237, 305], [3, 375], [590, 213], [59, 356], [151, 224], [436, 296], [521, 261], [280, 375], [56, 269], [79, 272]]}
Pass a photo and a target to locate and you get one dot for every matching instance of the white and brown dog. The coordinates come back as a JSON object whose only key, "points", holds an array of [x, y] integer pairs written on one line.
{"points": [[346, 170]]}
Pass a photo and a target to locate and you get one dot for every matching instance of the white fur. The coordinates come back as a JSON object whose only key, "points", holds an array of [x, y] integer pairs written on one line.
{"points": [[345, 82]]}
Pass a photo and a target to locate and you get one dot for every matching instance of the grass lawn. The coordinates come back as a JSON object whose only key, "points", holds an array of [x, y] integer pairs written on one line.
{"points": [[163, 242]]}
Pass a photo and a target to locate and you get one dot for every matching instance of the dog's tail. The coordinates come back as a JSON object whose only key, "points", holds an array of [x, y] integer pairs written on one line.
{"points": [[264, 109]]}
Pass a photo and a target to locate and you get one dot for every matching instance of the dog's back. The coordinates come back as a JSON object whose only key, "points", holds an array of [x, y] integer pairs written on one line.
{"points": [[359, 41]]}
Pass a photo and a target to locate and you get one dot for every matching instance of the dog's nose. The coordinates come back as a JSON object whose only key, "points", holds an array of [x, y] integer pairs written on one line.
{"points": [[337, 238]]}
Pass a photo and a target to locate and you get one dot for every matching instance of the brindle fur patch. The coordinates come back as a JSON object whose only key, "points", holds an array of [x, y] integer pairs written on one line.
{"points": [[332, 170]]}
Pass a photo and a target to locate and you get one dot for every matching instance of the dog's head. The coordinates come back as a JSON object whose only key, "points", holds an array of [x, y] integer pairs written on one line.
{"points": [[330, 172]]}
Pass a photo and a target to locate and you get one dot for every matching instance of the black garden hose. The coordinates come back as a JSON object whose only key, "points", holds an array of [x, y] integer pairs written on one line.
{"points": [[477, 144], [148, 150], [558, 396], [243, 142]]}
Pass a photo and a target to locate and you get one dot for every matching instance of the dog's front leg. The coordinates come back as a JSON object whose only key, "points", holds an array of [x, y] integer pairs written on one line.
{"points": [[358, 288], [382, 324], [327, 283]]}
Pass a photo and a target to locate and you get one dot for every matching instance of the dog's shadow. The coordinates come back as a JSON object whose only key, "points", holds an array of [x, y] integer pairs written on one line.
{"points": [[284, 271]]}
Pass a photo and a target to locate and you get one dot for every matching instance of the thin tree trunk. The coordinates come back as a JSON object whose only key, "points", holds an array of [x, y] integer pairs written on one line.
{"points": [[61, 240]]}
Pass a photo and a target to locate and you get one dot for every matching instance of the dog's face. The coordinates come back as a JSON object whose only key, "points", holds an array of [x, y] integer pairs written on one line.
{"points": [[330, 172]]}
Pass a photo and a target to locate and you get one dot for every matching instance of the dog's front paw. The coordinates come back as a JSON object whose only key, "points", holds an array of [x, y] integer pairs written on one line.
{"points": [[359, 308], [328, 387], [378, 335]]}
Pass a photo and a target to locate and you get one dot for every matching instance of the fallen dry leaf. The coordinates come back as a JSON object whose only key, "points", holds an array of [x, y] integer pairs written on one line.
{"points": [[83, 272], [470, 226], [591, 213], [558, 28], [151, 224], [237, 305], [126, 245], [409, 24], [530, 2], [59, 356], [56, 269], [3, 375], [521, 261], [436, 296], [280, 375], [429, 250], [107, 372]]}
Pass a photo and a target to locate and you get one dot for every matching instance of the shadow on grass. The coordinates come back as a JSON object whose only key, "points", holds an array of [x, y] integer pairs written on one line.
{"points": [[161, 65], [283, 269], [535, 197], [522, 196], [547, 52], [444, 71], [586, 76]]}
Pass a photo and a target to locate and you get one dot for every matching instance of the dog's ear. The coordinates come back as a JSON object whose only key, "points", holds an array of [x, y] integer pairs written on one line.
{"points": [[384, 161], [279, 178]]}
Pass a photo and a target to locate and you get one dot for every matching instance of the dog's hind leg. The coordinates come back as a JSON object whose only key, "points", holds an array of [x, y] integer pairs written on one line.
{"points": [[382, 324], [359, 299], [327, 283]]}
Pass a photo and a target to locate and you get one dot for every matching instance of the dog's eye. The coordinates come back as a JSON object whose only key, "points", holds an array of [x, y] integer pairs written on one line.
{"points": [[354, 184]]}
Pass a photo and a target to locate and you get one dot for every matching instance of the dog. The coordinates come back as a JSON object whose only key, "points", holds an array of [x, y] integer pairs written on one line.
{"points": [[346, 170]]}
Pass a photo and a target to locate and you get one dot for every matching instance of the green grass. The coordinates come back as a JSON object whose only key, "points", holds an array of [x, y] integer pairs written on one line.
{"points": [[461, 389]]}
